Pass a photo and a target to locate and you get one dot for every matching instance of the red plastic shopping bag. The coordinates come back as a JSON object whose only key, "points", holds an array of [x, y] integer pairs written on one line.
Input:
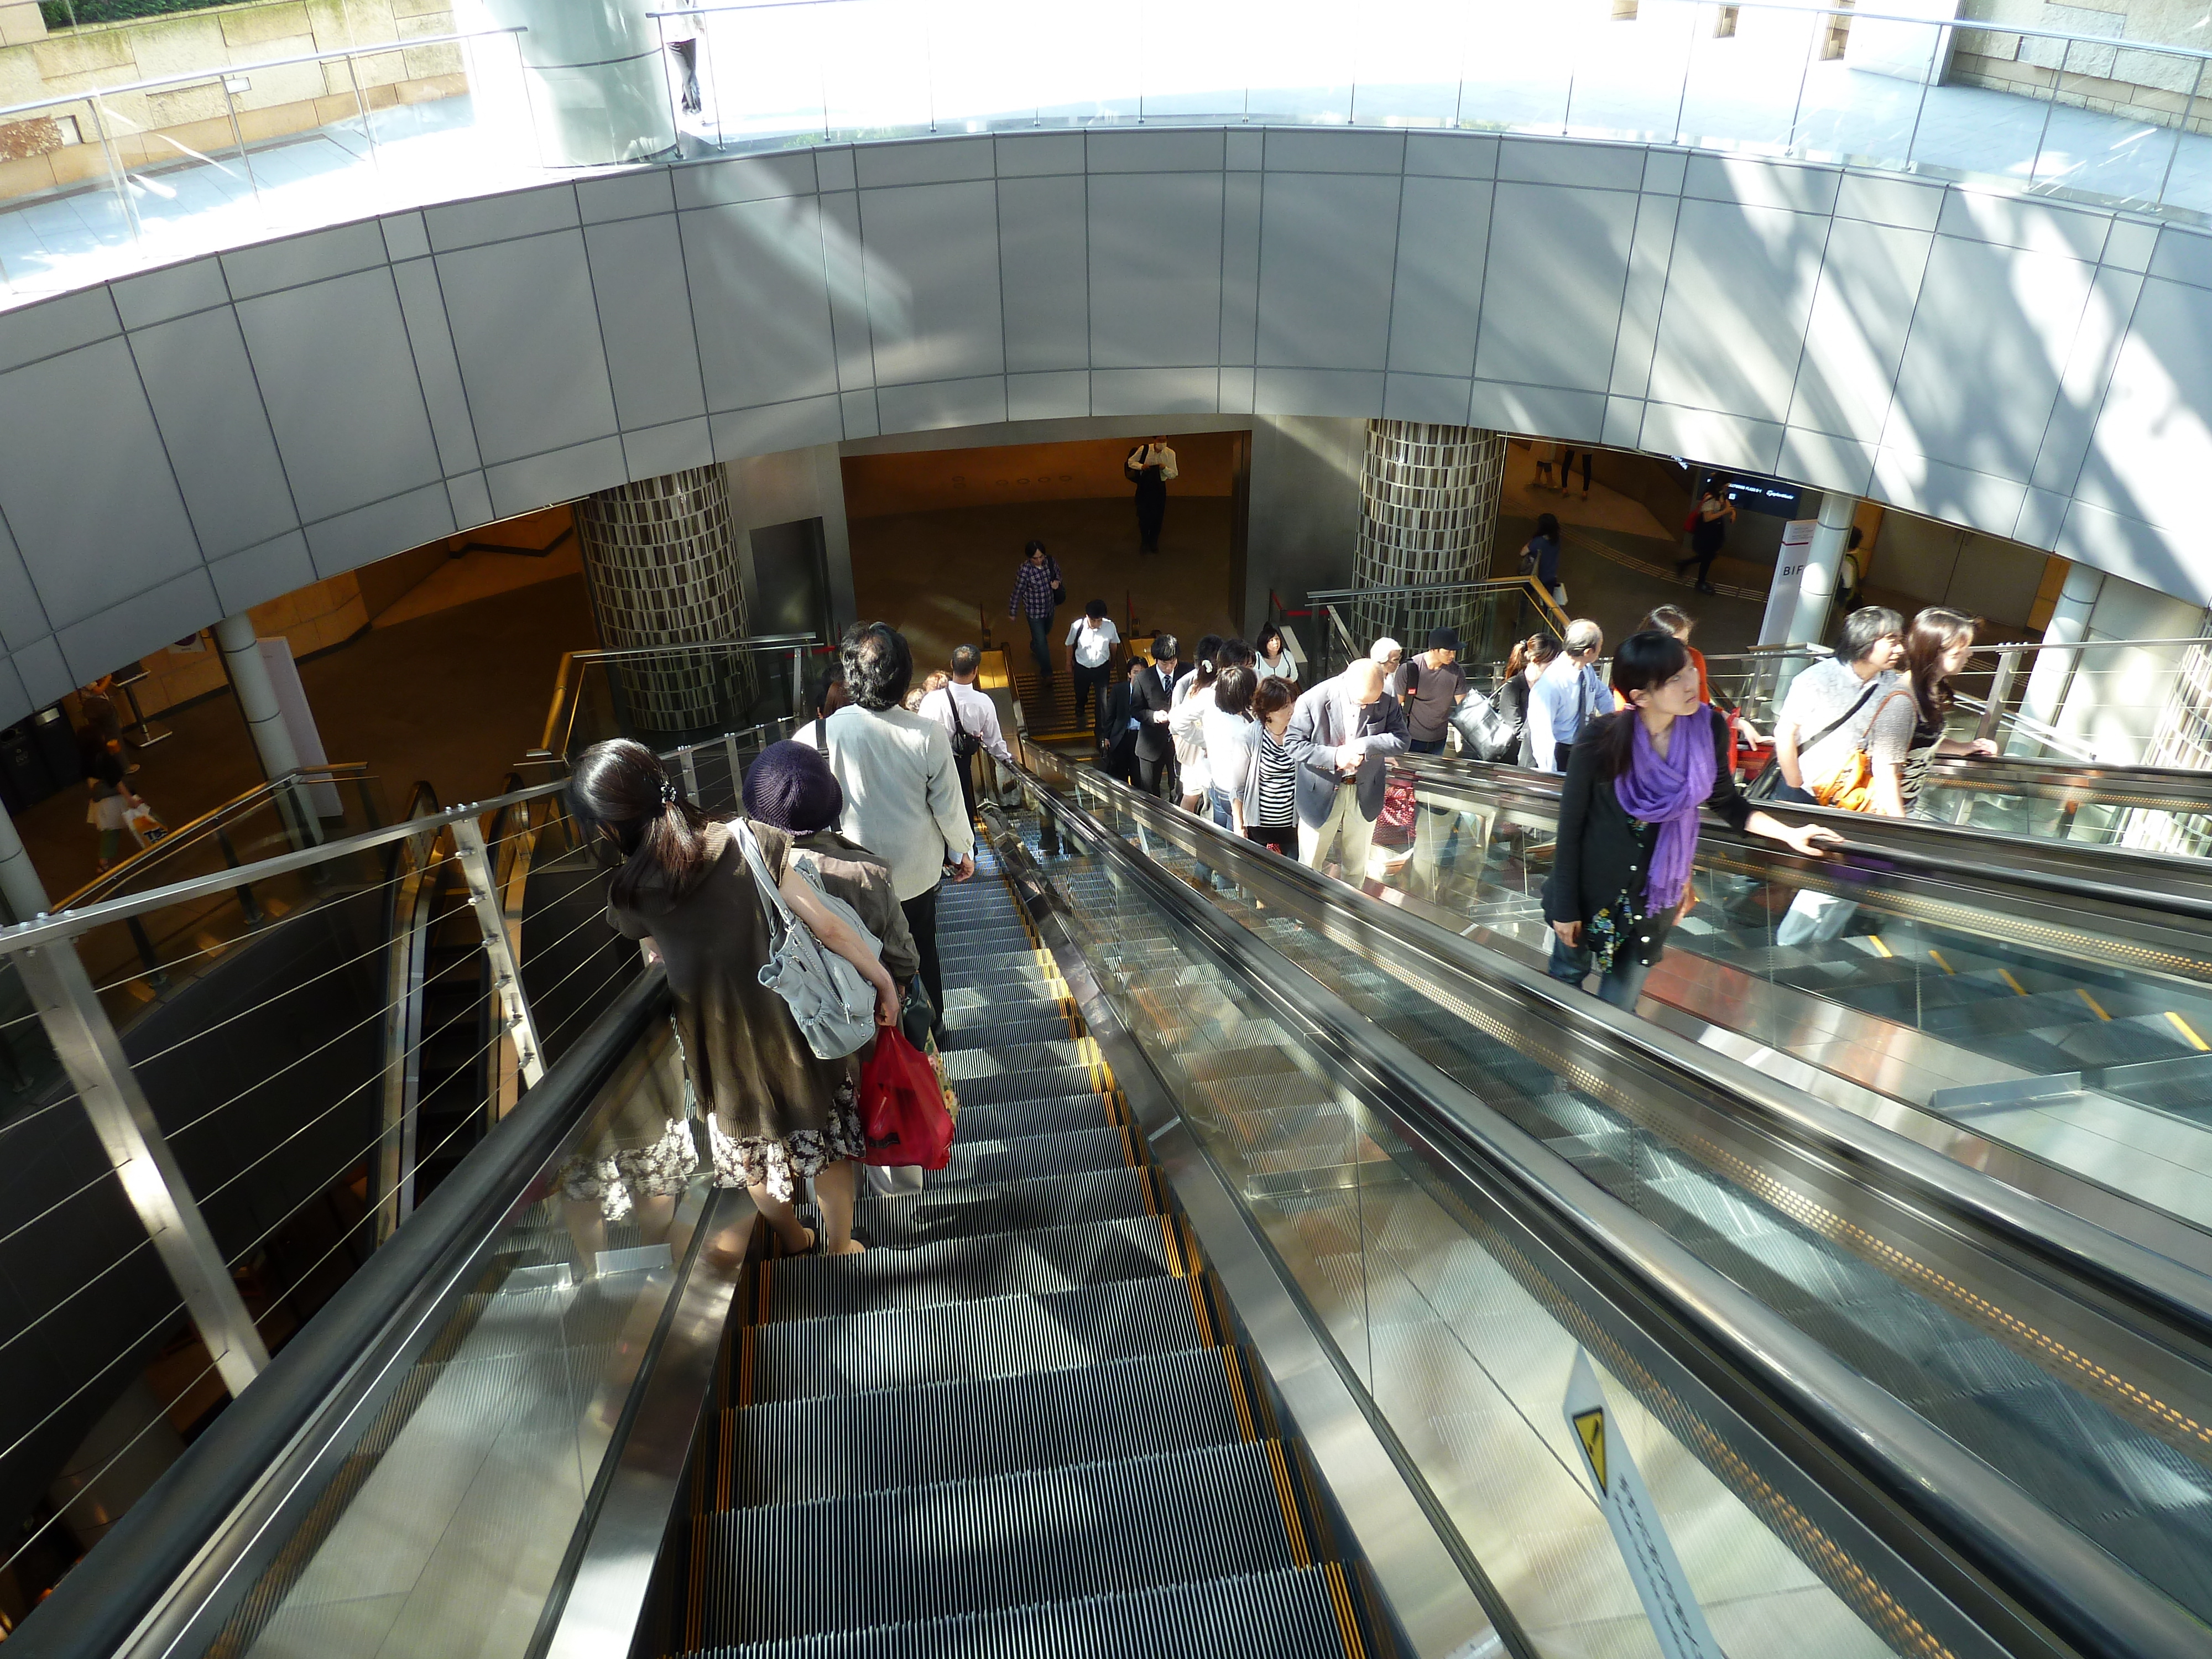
{"points": [[902, 1105]]}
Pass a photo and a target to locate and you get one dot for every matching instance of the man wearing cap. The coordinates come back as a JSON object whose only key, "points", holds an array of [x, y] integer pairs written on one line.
{"points": [[1434, 686]]}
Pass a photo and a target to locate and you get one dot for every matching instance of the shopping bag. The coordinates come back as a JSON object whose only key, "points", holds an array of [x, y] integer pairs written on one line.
{"points": [[1395, 827], [902, 1101]]}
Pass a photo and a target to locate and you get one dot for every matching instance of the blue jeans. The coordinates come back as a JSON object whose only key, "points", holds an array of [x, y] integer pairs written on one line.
{"points": [[1620, 987], [1219, 801], [1041, 644]]}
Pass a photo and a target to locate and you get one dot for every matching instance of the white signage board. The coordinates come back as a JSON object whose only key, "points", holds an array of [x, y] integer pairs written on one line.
{"points": [[1661, 1584], [1789, 577]]}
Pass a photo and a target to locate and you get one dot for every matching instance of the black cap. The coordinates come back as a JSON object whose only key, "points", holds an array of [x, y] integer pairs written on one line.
{"points": [[1443, 639]]}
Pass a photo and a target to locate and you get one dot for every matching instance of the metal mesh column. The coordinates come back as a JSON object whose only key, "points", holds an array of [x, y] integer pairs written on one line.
{"points": [[1428, 514], [662, 560]]}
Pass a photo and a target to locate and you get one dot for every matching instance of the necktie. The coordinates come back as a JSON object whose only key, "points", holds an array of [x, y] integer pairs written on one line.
{"points": [[1582, 700]]}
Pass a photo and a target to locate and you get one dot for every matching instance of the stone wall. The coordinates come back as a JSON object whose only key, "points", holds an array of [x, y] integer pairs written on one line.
{"points": [[2145, 86], [61, 146]]}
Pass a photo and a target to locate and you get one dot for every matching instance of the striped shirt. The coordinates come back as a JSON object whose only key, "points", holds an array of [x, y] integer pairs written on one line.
{"points": [[1033, 589], [1279, 776]]}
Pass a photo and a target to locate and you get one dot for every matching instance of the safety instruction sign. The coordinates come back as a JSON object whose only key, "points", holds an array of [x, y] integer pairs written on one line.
{"points": [[1660, 1585]]}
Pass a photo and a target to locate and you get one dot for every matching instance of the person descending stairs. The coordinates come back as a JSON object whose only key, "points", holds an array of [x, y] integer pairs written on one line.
{"points": [[1020, 1423]]}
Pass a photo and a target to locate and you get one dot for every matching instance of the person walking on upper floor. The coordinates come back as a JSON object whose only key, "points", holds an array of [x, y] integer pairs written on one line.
{"points": [[1709, 523], [777, 1114], [1540, 558], [1565, 698], [1120, 720], [1091, 641], [1151, 468], [1628, 821], [1342, 734], [1038, 590], [1153, 697], [969, 718], [901, 796]]}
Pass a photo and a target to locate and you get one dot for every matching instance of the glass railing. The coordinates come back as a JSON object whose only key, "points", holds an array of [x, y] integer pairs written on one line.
{"points": [[207, 154], [1491, 618]]}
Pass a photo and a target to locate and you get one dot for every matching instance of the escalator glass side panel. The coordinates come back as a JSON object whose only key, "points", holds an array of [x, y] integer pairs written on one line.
{"points": [[445, 1526], [2028, 1020], [2111, 1433], [1462, 1332]]}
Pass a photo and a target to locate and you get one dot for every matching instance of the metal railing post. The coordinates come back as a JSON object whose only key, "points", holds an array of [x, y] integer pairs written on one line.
{"points": [[84, 1040], [687, 758], [2000, 689], [736, 786], [498, 951]]}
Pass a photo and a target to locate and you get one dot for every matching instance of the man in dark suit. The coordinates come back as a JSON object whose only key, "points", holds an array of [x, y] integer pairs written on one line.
{"points": [[1153, 698], [1117, 726]]}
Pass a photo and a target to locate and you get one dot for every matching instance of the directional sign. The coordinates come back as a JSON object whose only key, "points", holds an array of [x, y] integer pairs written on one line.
{"points": [[1656, 1572]]}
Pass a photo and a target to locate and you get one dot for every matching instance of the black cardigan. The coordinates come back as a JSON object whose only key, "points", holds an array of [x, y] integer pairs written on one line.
{"points": [[1603, 853]]}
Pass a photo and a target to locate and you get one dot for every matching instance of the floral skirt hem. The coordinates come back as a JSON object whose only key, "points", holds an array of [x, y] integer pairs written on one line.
{"points": [[780, 1165], [620, 1179]]}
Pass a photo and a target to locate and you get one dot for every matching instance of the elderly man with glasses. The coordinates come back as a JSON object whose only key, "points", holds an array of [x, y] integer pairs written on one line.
{"points": [[1568, 696]]}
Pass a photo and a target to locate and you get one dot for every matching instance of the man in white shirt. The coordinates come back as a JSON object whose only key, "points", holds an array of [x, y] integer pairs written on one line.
{"points": [[901, 801], [1151, 464], [1831, 703], [969, 718], [1091, 642], [1568, 696]]}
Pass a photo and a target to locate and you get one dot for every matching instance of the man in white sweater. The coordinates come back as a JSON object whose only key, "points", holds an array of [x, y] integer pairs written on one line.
{"points": [[902, 793]]}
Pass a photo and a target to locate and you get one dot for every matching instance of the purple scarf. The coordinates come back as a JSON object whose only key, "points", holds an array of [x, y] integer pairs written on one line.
{"points": [[1668, 790]]}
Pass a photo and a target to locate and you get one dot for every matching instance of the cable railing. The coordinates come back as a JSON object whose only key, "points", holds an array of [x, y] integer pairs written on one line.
{"points": [[676, 694], [274, 1120], [1490, 617]]}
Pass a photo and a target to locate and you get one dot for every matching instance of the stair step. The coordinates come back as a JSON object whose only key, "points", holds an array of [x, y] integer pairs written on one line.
{"points": [[980, 1211], [1049, 1115], [1009, 1030], [971, 1269], [901, 1347], [843, 1445], [1001, 1542], [1283, 1615], [999, 1058], [1046, 1083]]}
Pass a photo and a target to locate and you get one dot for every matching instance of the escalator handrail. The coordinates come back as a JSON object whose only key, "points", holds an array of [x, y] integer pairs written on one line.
{"points": [[174, 1547], [2106, 875], [2038, 1559]]}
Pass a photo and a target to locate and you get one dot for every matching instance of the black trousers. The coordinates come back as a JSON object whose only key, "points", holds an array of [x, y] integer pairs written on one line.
{"points": [[1119, 763], [921, 921], [1152, 774], [1090, 686], [965, 766], [1152, 508]]}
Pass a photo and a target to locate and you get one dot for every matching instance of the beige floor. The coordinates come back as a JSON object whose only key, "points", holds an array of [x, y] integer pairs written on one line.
{"points": [[1603, 508]]}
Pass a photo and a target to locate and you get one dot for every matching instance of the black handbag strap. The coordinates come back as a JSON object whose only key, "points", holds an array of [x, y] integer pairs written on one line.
{"points": [[1841, 720]]}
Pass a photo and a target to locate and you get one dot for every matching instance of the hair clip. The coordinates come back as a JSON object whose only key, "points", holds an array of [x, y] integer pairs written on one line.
{"points": [[668, 792]]}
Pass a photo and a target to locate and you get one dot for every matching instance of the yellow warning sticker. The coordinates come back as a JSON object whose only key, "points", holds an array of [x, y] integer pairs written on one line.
{"points": [[1591, 1426]]}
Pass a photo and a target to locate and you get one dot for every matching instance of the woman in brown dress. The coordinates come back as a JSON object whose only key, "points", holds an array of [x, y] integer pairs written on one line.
{"points": [[778, 1116]]}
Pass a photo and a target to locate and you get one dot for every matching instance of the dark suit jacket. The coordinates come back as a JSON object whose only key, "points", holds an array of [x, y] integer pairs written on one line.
{"points": [[1153, 742], [1114, 733]]}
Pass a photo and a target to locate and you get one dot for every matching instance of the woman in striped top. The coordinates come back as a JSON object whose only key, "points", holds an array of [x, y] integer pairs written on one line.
{"points": [[1266, 807]]}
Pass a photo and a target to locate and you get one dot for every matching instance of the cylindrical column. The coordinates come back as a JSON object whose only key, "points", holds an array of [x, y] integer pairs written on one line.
{"points": [[2053, 673], [1816, 588], [1428, 514], [660, 557], [592, 82], [257, 695], [20, 889]]}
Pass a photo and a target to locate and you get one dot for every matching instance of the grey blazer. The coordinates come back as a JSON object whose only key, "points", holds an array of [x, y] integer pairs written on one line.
{"points": [[1322, 721]]}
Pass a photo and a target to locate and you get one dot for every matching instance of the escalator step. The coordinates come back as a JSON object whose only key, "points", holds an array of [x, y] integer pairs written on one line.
{"points": [[977, 1161], [1047, 1082], [968, 1004], [899, 1347], [840, 1446], [1087, 1529], [969, 1269], [1283, 1615], [974, 1212], [1009, 1120], [1010, 1030], [962, 1065]]}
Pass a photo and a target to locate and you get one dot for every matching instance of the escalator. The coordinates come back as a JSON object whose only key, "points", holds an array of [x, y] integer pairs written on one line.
{"points": [[1240, 1323]]}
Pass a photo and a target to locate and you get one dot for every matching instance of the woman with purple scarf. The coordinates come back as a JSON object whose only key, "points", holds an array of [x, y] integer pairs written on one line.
{"points": [[1628, 820]]}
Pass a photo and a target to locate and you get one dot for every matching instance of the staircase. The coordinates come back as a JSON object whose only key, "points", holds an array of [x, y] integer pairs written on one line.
{"points": [[1021, 1423]]}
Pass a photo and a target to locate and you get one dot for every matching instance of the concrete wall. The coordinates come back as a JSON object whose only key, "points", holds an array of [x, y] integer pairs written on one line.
{"points": [[2144, 86], [284, 413]]}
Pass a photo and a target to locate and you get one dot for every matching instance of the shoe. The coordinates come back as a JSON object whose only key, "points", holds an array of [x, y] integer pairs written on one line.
{"points": [[1707, 587]]}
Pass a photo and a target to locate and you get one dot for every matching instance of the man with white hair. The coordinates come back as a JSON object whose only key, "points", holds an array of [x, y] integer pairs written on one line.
{"points": [[1341, 737], [1390, 656], [1568, 696]]}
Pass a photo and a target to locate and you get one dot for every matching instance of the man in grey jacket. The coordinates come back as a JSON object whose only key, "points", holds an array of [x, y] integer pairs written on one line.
{"points": [[1341, 735]]}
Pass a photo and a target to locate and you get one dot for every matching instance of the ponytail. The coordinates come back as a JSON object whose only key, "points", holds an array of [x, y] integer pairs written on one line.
{"points": [[626, 804]]}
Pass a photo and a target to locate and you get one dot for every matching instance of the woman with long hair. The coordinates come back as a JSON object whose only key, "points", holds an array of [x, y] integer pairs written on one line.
{"points": [[1628, 820], [1530, 658], [1272, 655], [1907, 733], [1183, 716], [778, 1115]]}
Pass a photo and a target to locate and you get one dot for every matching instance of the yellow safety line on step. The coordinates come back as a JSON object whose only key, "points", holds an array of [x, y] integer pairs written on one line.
{"points": [[695, 1591], [1940, 962], [1300, 1555], [2188, 1033], [1347, 1623], [1874, 939], [1235, 1372], [2005, 974], [2095, 1007], [744, 1368], [1174, 1248]]}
